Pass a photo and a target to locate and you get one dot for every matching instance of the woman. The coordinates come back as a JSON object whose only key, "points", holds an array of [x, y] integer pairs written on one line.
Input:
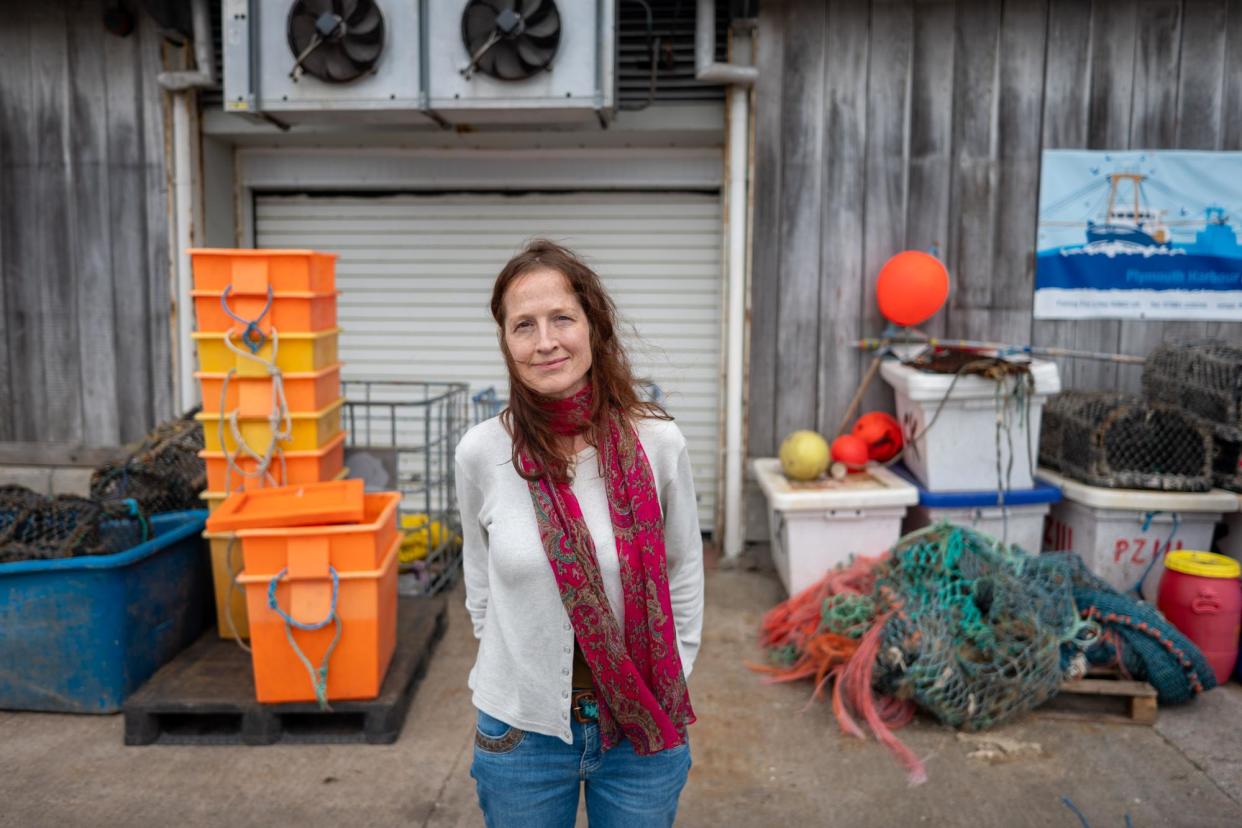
{"points": [[583, 566]]}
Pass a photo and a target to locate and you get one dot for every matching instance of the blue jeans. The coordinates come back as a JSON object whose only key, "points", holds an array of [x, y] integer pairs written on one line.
{"points": [[528, 779]]}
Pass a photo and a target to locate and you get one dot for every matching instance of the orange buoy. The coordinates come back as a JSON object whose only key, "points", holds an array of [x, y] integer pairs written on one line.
{"points": [[912, 287], [881, 433], [850, 451]]}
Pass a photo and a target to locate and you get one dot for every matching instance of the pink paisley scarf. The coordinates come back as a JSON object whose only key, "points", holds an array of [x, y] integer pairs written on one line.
{"points": [[637, 671]]}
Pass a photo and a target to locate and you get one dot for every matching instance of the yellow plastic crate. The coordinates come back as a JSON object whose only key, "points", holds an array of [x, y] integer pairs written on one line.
{"points": [[226, 562], [298, 352], [310, 431]]}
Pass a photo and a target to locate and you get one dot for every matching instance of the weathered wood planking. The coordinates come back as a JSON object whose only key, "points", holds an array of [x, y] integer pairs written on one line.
{"points": [[844, 188], [987, 88], [158, 270], [1066, 99], [91, 272], [931, 134], [1153, 125], [761, 433], [884, 223], [801, 194], [52, 229], [23, 308], [79, 186]]}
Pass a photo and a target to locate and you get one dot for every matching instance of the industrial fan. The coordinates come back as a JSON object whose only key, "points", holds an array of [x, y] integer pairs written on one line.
{"points": [[510, 39], [335, 40]]}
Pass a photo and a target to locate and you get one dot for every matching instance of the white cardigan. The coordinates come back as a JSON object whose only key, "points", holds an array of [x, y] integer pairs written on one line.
{"points": [[522, 674]]}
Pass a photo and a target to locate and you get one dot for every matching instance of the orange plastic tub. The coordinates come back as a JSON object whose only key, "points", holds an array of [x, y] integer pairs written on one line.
{"points": [[350, 546], [253, 271], [213, 500], [366, 604], [309, 430], [310, 504], [289, 312], [299, 467], [252, 396]]}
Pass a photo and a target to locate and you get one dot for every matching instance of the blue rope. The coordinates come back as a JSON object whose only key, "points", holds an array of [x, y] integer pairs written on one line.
{"points": [[253, 336], [318, 676], [1069, 803], [134, 511]]}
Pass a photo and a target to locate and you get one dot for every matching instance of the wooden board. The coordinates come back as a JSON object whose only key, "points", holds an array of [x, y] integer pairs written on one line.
{"points": [[1104, 696], [205, 696]]}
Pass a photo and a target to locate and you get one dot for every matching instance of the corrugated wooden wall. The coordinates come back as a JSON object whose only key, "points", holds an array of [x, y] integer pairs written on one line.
{"points": [[85, 348], [884, 126]]}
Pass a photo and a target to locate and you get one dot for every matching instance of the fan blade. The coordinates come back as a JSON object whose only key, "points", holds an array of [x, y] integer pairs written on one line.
{"points": [[301, 31], [345, 8], [340, 68], [316, 63], [367, 22], [532, 55], [508, 66], [362, 53], [477, 26], [530, 8], [548, 26], [313, 7]]}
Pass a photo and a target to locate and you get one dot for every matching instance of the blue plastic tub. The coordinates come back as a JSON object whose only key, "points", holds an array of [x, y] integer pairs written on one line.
{"points": [[1020, 521], [78, 635]]}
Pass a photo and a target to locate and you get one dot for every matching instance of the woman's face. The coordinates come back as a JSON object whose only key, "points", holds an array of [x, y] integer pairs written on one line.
{"points": [[547, 334]]}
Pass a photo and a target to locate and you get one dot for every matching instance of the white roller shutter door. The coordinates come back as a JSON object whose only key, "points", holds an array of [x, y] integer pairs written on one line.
{"points": [[416, 272]]}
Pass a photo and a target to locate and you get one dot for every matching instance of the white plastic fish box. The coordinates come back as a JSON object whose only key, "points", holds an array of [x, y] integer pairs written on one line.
{"points": [[1020, 521], [1123, 534], [815, 526], [959, 451], [1231, 543]]}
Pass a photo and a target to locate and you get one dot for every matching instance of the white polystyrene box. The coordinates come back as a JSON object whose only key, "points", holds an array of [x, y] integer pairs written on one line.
{"points": [[1123, 534], [1020, 525], [959, 451], [1231, 543], [815, 526]]}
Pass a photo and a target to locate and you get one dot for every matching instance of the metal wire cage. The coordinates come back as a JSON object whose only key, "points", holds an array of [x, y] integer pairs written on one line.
{"points": [[1204, 379], [402, 436], [1121, 441]]}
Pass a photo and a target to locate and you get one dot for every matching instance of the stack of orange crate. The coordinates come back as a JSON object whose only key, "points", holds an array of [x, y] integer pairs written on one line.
{"points": [[271, 385]]}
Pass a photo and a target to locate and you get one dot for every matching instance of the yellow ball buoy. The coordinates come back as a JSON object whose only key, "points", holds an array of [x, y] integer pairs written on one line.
{"points": [[804, 455]]}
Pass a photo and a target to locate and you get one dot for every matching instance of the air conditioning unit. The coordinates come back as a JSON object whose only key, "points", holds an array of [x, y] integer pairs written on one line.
{"points": [[535, 60], [305, 58], [397, 61]]}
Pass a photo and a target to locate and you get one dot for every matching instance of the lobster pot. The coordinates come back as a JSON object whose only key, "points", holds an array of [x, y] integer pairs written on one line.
{"points": [[1122, 442], [950, 424], [1203, 379], [1122, 535], [819, 524]]}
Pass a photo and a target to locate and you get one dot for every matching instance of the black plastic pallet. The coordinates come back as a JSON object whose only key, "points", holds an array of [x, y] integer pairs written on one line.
{"points": [[205, 696]]}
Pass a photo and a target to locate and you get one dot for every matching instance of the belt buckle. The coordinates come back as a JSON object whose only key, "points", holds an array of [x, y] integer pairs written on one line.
{"points": [[581, 715]]}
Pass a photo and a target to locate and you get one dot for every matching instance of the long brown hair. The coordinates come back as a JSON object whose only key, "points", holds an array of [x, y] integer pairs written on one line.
{"points": [[613, 384]]}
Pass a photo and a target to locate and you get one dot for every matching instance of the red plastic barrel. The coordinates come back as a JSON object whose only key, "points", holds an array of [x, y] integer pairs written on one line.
{"points": [[1201, 595]]}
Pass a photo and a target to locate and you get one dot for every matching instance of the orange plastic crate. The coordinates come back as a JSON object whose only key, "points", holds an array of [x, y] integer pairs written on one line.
{"points": [[289, 312], [350, 546], [310, 430], [310, 504], [253, 271], [299, 467], [252, 396], [366, 603], [213, 500]]}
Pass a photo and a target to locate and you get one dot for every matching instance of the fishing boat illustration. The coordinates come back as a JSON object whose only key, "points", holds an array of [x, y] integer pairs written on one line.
{"points": [[1129, 223]]}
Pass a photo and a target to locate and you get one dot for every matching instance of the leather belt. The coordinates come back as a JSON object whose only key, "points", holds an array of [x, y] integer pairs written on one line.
{"points": [[584, 707]]}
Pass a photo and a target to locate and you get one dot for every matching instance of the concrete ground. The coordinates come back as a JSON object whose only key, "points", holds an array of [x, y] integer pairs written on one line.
{"points": [[759, 760]]}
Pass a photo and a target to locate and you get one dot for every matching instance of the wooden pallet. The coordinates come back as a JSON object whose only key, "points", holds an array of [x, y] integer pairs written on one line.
{"points": [[205, 696], [1104, 696]]}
